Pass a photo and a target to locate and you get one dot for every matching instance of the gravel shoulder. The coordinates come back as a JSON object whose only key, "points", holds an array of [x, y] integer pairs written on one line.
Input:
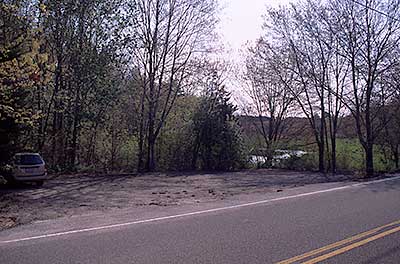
{"points": [[72, 195]]}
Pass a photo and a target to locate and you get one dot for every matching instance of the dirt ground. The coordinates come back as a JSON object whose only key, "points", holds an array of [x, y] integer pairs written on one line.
{"points": [[68, 195]]}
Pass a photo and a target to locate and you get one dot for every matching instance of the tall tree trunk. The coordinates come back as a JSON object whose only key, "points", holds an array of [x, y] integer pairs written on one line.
{"points": [[333, 154], [369, 150], [150, 162], [321, 143], [74, 141], [79, 83], [369, 160], [75, 131], [333, 126], [56, 114], [140, 154], [321, 157], [328, 155], [40, 136]]}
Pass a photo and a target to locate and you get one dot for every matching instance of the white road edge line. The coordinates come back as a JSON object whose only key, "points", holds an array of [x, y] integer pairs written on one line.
{"points": [[194, 213]]}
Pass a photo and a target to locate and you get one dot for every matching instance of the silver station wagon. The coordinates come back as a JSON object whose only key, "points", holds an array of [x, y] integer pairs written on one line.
{"points": [[28, 167]]}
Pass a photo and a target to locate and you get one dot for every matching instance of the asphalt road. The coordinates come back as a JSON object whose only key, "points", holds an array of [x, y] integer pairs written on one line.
{"points": [[265, 232]]}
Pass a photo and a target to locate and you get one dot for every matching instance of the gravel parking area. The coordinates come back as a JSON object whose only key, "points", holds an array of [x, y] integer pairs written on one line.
{"points": [[69, 195]]}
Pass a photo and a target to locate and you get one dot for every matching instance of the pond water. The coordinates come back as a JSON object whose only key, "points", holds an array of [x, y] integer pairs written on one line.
{"points": [[280, 154]]}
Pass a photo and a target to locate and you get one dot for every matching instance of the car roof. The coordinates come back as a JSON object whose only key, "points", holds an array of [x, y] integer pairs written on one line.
{"points": [[26, 153]]}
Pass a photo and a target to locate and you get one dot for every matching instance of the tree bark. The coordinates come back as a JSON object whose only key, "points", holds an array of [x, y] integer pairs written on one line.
{"points": [[333, 154], [369, 160], [321, 157], [140, 154]]}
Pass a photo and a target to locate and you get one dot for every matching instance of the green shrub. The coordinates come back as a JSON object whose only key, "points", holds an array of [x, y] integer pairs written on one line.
{"points": [[304, 163]]}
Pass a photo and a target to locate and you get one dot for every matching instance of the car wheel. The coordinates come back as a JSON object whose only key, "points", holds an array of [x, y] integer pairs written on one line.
{"points": [[10, 180], [39, 183]]}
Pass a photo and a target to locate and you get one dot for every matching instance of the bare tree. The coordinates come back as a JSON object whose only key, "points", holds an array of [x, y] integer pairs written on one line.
{"points": [[368, 34], [337, 81], [270, 98], [389, 118], [337, 73], [168, 35], [306, 42]]}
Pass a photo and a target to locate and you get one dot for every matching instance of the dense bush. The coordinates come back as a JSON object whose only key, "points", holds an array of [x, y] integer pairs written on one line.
{"points": [[218, 142]]}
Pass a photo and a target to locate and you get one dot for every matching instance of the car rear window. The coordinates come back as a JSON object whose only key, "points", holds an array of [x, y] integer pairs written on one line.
{"points": [[28, 160]]}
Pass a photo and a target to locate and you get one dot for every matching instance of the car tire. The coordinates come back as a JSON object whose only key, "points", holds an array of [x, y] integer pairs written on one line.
{"points": [[10, 180], [39, 183]]}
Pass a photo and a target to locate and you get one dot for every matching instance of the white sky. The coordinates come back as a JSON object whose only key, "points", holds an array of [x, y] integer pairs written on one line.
{"points": [[241, 21]]}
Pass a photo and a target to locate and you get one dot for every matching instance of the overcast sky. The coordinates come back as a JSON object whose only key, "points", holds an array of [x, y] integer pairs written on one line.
{"points": [[241, 21]]}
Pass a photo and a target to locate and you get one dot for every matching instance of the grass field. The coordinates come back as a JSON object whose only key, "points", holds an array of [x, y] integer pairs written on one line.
{"points": [[350, 156]]}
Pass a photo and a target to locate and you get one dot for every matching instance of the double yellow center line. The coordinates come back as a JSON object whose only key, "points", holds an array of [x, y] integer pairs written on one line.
{"points": [[348, 244]]}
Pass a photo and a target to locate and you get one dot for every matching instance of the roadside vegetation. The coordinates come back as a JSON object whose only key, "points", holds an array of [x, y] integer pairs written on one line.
{"points": [[334, 63], [112, 85], [349, 155]]}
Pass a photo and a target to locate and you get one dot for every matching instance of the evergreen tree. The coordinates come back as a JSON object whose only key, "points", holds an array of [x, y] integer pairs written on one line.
{"points": [[218, 144]]}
